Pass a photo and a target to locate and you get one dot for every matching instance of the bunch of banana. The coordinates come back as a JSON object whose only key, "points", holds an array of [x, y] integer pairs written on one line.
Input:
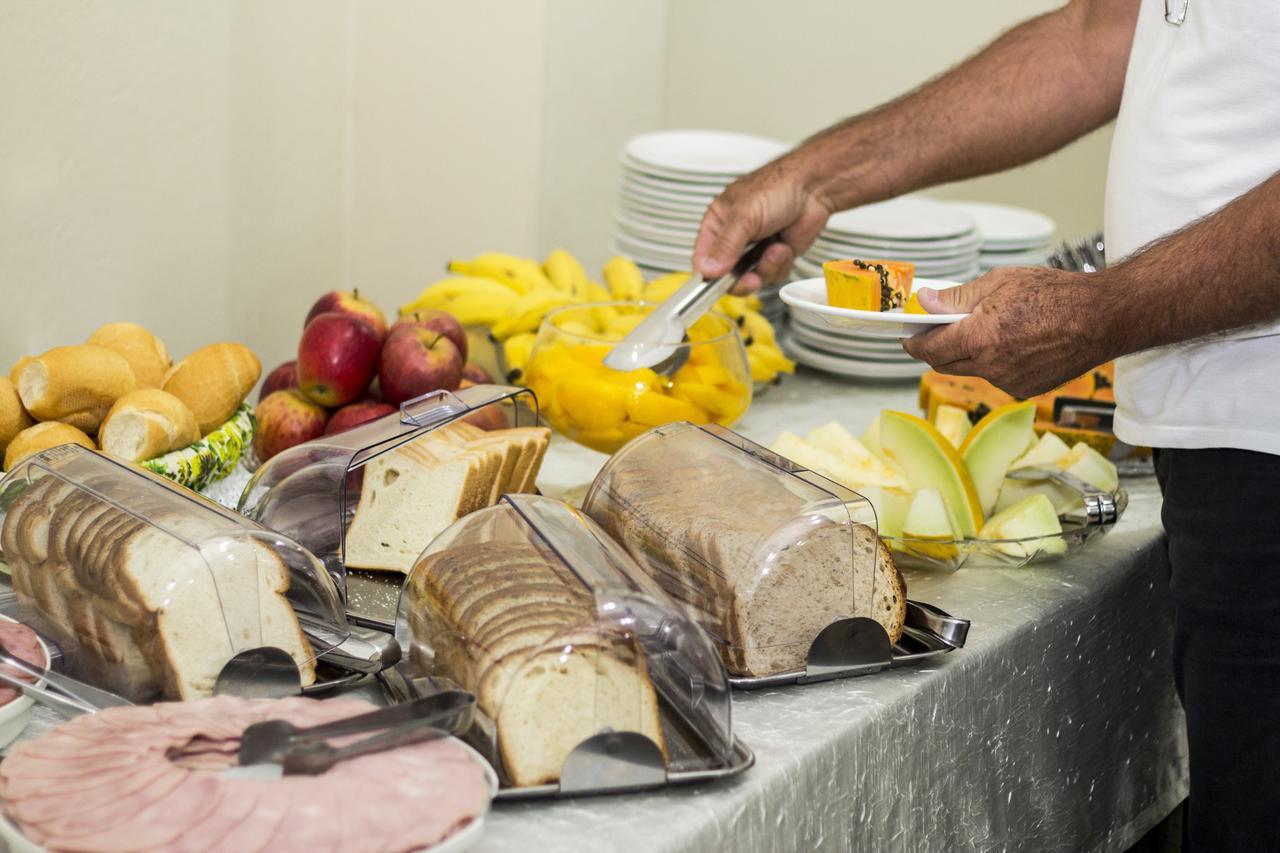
{"points": [[510, 295]]}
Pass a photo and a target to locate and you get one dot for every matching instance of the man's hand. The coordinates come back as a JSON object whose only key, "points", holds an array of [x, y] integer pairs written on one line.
{"points": [[1029, 329], [770, 200]]}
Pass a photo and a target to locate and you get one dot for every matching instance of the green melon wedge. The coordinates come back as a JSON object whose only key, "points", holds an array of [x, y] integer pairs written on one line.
{"points": [[930, 462], [992, 446]]}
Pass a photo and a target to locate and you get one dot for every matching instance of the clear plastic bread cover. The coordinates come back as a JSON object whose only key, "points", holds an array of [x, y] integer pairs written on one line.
{"points": [[310, 491], [563, 640], [150, 589], [763, 553]]}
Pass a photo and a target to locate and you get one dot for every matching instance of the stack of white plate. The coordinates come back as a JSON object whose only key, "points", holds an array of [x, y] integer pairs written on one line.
{"points": [[669, 177], [814, 343], [939, 238], [1011, 236]]}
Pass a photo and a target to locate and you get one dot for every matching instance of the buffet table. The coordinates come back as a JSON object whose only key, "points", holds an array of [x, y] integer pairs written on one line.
{"points": [[1055, 728]]}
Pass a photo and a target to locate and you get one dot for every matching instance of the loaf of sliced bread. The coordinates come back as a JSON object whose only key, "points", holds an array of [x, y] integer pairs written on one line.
{"points": [[511, 624], [761, 590], [410, 494], [138, 609]]}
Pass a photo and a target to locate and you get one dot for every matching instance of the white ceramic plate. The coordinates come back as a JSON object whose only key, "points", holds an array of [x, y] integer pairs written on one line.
{"points": [[853, 368], [682, 238], [666, 185], [1036, 257], [656, 218], [846, 349], [837, 248], [814, 323], [680, 204], [635, 167], [810, 294], [703, 152], [464, 839], [905, 218], [1006, 226]]}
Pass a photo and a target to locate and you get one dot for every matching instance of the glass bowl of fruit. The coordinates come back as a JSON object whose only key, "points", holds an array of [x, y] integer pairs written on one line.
{"points": [[603, 408]]}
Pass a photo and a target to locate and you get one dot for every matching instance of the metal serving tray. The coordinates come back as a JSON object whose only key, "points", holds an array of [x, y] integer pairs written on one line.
{"points": [[860, 646]]}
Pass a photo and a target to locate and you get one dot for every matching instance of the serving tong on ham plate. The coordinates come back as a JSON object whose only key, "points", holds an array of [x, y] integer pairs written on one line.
{"points": [[57, 691], [277, 747]]}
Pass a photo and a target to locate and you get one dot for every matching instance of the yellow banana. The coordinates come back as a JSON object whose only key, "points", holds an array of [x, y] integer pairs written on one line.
{"points": [[521, 274], [771, 356], [757, 328], [624, 278], [515, 354], [527, 313], [663, 286], [760, 371], [437, 294], [480, 309], [604, 314], [566, 273]]}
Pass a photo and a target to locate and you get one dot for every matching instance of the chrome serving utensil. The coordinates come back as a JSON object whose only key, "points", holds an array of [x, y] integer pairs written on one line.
{"points": [[59, 691], [276, 740], [1099, 506], [658, 342], [263, 673]]}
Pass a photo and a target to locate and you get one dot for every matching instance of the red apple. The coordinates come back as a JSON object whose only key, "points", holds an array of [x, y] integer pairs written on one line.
{"points": [[490, 417], [477, 374], [437, 321], [354, 414], [337, 356], [286, 418], [417, 360], [341, 302], [284, 376]]}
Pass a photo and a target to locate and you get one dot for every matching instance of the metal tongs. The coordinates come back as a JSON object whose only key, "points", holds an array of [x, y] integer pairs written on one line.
{"points": [[658, 342], [55, 690], [281, 748], [1099, 506]]}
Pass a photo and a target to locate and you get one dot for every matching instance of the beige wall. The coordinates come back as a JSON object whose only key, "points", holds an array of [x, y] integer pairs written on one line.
{"points": [[208, 169], [788, 70]]}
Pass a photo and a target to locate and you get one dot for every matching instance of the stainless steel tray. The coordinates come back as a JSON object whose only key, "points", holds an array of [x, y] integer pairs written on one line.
{"points": [[852, 647]]}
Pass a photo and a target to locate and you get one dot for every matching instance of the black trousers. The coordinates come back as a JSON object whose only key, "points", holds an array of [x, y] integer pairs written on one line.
{"points": [[1222, 518]]}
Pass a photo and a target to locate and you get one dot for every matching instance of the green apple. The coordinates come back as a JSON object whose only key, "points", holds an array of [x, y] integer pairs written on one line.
{"points": [[931, 525], [992, 446], [1031, 521], [953, 422], [930, 462]]}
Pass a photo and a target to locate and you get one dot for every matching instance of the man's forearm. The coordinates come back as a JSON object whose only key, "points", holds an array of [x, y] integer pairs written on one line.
{"points": [[1036, 88], [1218, 274]]}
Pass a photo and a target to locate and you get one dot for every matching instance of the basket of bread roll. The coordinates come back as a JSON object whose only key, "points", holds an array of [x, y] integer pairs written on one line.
{"points": [[120, 392], [148, 589], [587, 677]]}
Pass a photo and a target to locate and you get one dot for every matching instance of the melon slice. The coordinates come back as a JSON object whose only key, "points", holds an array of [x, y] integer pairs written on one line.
{"points": [[1044, 453], [837, 441], [930, 462], [992, 446], [891, 507], [931, 525], [1091, 466], [1033, 522], [871, 438], [953, 422]]}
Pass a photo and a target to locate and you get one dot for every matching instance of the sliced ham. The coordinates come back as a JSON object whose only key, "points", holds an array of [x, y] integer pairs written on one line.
{"points": [[149, 778], [22, 643]]}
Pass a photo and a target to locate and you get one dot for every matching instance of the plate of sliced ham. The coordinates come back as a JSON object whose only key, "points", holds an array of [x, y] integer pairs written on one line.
{"points": [[151, 777]]}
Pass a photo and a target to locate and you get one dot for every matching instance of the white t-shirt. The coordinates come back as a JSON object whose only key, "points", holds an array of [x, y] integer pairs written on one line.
{"points": [[1199, 125]]}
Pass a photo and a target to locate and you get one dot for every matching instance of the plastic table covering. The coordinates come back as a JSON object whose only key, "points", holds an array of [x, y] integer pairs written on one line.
{"points": [[1056, 728]]}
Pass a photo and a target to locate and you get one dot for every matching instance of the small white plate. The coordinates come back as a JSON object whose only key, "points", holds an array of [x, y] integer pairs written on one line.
{"points": [[810, 294], [815, 324], [660, 185], [853, 368], [1009, 227], [703, 152], [682, 238], [664, 200], [836, 248], [837, 345]]}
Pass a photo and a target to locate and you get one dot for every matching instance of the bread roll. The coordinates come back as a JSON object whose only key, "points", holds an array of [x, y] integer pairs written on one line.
{"points": [[76, 385], [147, 423], [40, 437], [17, 369], [13, 417], [213, 380], [145, 352]]}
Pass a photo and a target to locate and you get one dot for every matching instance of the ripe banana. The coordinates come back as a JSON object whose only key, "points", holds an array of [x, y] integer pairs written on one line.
{"points": [[771, 356], [521, 274], [480, 309], [566, 273], [527, 313], [515, 354], [757, 328], [760, 371], [624, 278], [438, 294], [663, 286]]}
